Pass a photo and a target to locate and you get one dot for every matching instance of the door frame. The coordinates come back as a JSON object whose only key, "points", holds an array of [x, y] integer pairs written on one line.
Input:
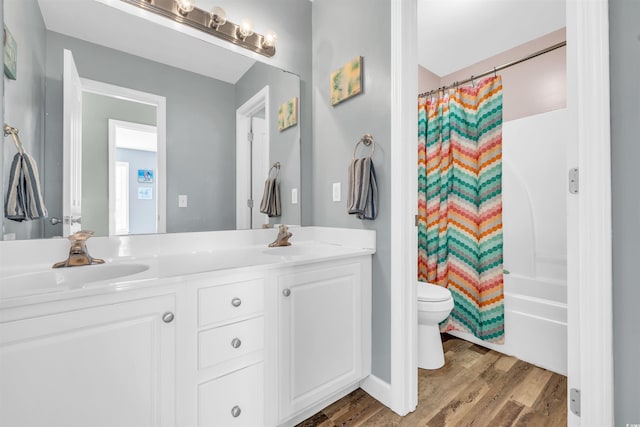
{"points": [[106, 89], [243, 152], [589, 266]]}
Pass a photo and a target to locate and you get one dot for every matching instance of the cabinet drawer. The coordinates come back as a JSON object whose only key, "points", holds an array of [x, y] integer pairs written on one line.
{"points": [[217, 345], [223, 303], [234, 400]]}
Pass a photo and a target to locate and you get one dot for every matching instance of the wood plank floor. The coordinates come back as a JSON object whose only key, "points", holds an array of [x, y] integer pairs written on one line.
{"points": [[476, 387]]}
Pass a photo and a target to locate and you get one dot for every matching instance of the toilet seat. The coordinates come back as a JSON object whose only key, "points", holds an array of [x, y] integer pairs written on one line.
{"points": [[432, 293]]}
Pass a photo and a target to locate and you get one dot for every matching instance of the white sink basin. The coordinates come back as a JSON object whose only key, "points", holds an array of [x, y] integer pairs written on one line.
{"points": [[59, 279]]}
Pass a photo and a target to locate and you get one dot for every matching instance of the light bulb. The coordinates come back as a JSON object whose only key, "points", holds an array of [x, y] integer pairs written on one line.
{"points": [[246, 28], [185, 6], [218, 17], [269, 40]]}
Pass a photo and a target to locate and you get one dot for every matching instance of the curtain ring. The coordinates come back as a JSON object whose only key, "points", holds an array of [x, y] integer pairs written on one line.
{"points": [[494, 72], [472, 82]]}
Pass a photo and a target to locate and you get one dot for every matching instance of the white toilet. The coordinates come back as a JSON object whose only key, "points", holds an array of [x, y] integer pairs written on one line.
{"points": [[434, 305]]}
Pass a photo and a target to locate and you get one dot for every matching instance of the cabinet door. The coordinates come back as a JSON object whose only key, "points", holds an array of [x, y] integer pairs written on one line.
{"points": [[110, 365], [320, 334]]}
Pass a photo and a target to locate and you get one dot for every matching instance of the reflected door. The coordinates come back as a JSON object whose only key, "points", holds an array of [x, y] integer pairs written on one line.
{"points": [[72, 147]]}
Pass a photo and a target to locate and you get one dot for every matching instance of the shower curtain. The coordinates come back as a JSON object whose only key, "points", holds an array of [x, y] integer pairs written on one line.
{"points": [[460, 204]]}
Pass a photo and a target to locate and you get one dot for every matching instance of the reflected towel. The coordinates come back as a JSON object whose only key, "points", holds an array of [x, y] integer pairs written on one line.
{"points": [[24, 197], [270, 204], [363, 189]]}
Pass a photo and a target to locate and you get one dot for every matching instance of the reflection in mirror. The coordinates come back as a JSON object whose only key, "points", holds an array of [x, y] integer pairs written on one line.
{"points": [[203, 173]]}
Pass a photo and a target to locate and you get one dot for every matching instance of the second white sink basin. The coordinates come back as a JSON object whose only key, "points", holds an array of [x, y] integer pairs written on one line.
{"points": [[58, 279]]}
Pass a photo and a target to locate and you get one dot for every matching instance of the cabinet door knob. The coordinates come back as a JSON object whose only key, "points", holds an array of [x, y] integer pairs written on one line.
{"points": [[236, 302], [236, 411], [286, 292], [235, 343], [168, 317]]}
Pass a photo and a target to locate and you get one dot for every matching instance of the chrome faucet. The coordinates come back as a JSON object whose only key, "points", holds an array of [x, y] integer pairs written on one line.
{"points": [[283, 237], [78, 254]]}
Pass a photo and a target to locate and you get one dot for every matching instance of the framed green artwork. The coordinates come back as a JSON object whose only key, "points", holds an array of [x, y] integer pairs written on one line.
{"points": [[288, 114], [10, 54], [346, 81]]}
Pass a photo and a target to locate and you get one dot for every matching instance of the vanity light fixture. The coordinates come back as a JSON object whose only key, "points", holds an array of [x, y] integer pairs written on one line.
{"points": [[185, 6], [214, 22]]}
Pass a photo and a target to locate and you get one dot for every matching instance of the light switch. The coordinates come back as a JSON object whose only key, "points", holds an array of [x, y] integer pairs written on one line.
{"points": [[182, 201], [294, 196], [336, 191]]}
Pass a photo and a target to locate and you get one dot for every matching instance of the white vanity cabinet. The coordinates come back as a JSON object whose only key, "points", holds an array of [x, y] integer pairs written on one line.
{"points": [[324, 330], [107, 365], [226, 353]]}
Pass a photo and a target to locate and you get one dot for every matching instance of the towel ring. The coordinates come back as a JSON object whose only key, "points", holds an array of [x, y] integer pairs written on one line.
{"points": [[276, 165], [367, 140], [8, 130]]}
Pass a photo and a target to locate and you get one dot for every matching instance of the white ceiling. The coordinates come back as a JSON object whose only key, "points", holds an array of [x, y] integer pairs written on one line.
{"points": [[454, 34], [114, 24]]}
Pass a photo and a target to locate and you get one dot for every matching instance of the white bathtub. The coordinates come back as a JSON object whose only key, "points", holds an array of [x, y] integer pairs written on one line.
{"points": [[535, 322]]}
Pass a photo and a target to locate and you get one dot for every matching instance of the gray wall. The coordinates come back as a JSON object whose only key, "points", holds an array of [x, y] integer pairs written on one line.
{"points": [[624, 43], [200, 143], [142, 212], [284, 147], [96, 112], [337, 38], [22, 96], [291, 20]]}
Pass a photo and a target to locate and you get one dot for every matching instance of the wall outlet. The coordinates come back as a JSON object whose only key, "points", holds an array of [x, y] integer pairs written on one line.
{"points": [[336, 191], [182, 201], [294, 196]]}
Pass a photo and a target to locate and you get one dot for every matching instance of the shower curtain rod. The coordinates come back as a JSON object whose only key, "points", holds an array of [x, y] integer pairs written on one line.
{"points": [[496, 69]]}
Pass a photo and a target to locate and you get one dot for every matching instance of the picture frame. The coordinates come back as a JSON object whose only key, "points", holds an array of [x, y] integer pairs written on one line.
{"points": [[288, 114], [145, 175], [145, 193], [10, 48], [347, 81]]}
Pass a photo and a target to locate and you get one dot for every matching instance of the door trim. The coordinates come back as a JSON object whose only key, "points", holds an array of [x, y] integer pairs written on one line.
{"points": [[243, 153], [106, 89], [590, 326]]}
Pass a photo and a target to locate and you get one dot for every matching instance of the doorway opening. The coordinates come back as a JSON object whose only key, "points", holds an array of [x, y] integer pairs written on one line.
{"points": [[252, 160]]}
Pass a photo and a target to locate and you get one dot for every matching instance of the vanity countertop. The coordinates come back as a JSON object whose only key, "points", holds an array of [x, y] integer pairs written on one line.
{"points": [[169, 260]]}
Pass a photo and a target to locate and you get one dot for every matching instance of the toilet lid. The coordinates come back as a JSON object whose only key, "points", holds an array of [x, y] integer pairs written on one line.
{"points": [[430, 292]]}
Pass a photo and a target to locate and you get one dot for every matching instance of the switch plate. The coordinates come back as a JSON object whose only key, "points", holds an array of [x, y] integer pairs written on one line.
{"points": [[294, 196], [336, 191], [182, 201]]}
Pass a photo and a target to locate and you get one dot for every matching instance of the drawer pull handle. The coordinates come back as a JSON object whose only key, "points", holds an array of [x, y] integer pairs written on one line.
{"points": [[235, 343], [286, 292], [168, 317], [236, 411], [236, 302]]}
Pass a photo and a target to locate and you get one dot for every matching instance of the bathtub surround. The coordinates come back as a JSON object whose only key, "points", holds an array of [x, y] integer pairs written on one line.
{"points": [[460, 204]]}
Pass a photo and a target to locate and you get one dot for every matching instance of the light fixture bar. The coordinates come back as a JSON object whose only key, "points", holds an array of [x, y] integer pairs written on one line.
{"points": [[201, 20]]}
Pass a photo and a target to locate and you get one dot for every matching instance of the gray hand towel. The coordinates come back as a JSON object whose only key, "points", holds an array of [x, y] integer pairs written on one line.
{"points": [[24, 197], [270, 204], [363, 189]]}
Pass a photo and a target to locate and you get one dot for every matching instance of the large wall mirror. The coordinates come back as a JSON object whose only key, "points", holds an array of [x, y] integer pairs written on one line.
{"points": [[139, 128]]}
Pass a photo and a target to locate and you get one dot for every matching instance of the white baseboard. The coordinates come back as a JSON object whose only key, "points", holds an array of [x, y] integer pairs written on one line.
{"points": [[378, 389]]}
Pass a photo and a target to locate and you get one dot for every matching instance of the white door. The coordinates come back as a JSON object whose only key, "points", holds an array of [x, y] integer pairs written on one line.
{"points": [[122, 198], [111, 365], [72, 147], [260, 169]]}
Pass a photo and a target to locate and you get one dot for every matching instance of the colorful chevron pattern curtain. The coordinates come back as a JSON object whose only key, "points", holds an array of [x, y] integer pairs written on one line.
{"points": [[460, 204]]}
